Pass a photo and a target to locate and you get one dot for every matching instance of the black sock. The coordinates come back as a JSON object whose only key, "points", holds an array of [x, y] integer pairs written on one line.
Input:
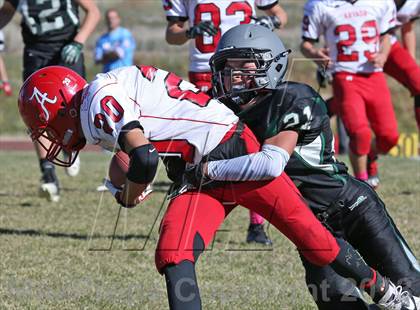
{"points": [[45, 164], [48, 171], [417, 110], [350, 264], [182, 287]]}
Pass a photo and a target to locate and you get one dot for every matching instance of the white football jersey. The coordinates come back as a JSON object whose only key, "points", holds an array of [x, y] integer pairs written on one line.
{"points": [[351, 31], [176, 117], [1, 41], [409, 11], [224, 14]]}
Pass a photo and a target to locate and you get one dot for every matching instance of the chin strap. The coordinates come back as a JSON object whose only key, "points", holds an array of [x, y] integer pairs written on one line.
{"points": [[243, 97]]}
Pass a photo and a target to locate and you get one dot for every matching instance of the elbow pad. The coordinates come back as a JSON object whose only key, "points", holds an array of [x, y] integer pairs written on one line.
{"points": [[144, 161]]}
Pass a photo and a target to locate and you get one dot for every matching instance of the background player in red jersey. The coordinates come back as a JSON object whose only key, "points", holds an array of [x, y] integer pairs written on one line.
{"points": [[207, 21], [357, 42]]}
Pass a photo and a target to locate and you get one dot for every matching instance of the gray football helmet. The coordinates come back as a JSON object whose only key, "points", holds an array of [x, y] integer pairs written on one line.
{"points": [[253, 43]]}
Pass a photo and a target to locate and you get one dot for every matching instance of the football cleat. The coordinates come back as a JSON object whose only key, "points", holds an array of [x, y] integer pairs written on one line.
{"points": [[373, 181], [101, 188], [372, 170], [257, 234], [397, 299], [49, 187], [74, 169]]}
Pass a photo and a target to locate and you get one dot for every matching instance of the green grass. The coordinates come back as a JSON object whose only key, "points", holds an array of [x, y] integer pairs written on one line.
{"points": [[63, 255]]}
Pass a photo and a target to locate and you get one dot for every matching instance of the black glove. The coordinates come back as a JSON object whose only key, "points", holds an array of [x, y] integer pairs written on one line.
{"points": [[195, 176], [71, 52], [270, 22], [323, 77], [203, 28]]}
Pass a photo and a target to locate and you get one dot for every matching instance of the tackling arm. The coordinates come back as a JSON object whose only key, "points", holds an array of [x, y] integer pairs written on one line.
{"points": [[267, 164]]}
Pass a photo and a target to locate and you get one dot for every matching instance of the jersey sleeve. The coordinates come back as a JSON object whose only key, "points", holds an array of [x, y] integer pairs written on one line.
{"points": [[265, 4], [111, 110], [312, 27], [388, 18], [175, 10], [127, 45]]}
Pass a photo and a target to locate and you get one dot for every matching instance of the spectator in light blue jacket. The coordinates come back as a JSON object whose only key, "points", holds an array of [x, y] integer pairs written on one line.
{"points": [[116, 47]]}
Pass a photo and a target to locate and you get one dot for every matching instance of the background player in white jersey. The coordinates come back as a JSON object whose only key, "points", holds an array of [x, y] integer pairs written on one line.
{"points": [[147, 112], [4, 79], [207, 21], [355, 33], [401, 63]]}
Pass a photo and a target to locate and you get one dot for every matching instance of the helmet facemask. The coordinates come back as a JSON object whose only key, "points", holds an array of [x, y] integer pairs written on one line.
{"points": [[59, 136], [59, 151], [223, 76]]}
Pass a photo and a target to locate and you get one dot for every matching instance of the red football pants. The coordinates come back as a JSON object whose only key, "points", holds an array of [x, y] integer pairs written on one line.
{"points": [[192, 219], [364, 102], [402, 67]]}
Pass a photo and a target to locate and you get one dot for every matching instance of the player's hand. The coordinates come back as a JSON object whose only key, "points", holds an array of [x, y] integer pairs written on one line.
{"points": [[206, 28], [70, 53], [123, 198], [378, 60], [323, 77], [270, 22], [322, 57], [119, 193], [196, 175]]}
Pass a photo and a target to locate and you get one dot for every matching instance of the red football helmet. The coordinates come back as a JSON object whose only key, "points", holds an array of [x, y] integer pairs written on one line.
{"points": [[49, 102]]}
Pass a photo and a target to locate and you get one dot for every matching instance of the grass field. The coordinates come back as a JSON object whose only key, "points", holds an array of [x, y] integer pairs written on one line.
{"points": [[72, 255]]}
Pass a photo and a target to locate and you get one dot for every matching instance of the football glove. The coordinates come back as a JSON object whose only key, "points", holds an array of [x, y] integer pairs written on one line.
{"points": [[71, 52], [323, 77], [195, 176], [203, 28], [270, 22]]}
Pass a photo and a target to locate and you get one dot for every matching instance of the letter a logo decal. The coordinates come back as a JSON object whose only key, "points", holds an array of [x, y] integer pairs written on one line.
{"points": [[41, 98]]}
